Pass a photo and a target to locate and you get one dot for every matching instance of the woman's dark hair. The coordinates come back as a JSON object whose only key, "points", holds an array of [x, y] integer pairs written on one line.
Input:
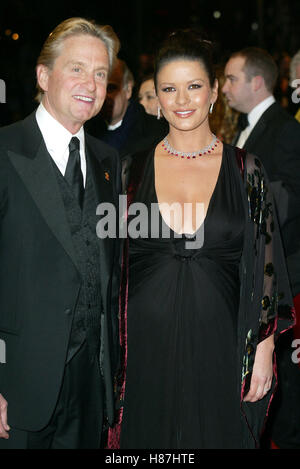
{"points": [[186, 44], [146, 77], [143, 78]]}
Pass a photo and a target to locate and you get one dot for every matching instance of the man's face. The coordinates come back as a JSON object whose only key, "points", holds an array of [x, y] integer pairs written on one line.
{"points": [[237, 89], [75, 87], [117, 98]]}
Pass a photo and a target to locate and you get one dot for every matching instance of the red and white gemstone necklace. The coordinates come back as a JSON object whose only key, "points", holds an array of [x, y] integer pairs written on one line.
{"points": [[190, 155]]}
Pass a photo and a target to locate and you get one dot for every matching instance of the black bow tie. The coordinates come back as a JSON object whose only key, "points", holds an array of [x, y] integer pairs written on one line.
{"points": [[242, 121]]}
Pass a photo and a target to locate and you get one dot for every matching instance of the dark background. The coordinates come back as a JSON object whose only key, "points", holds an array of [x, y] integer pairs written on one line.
{"points": [[140, 25]]}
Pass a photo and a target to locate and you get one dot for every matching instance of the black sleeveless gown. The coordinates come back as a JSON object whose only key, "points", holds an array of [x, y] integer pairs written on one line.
{"points": [[182, 388]]}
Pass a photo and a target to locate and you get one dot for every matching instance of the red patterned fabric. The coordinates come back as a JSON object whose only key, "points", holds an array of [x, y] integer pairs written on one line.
{"points": [[297, 326], [296, 329], [115, 432]]}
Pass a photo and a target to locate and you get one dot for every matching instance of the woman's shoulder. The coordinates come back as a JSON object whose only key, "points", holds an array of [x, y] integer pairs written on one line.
{"points": [[139, 157], [133, 164], [247, 162]]}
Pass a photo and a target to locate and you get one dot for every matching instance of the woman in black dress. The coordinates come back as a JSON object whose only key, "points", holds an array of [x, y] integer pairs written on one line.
{"points": [[198, 314]]}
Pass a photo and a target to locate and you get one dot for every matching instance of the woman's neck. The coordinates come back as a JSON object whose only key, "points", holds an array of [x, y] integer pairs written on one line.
{"points": [[190, 140]]}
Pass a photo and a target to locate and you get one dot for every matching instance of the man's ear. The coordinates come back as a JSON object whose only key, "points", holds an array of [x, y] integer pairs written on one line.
{"points": [[129, 89], [257, 82], [42, 75]]}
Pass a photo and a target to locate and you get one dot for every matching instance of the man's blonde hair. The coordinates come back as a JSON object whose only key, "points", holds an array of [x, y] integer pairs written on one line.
{"points": [[76, 27]]}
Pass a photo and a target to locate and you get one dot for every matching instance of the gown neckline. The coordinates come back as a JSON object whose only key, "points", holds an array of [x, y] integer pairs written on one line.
{"points": [[188, 235]]}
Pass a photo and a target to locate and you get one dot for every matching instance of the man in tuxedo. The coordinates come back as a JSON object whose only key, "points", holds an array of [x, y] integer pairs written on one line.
{"points": [[272, 134], [58, 281]]}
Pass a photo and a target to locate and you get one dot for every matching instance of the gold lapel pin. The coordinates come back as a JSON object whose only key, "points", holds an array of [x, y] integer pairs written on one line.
{"points": [[106, 175]]}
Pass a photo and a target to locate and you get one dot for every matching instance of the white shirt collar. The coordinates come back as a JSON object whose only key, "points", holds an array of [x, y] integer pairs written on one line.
{"points": [[256, 113], [57, 139], [56, 136], [115, 126]]}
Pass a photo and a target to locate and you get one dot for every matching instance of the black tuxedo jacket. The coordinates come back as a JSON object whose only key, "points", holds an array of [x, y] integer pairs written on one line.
{"points": [[275, 139], [39, 279]]}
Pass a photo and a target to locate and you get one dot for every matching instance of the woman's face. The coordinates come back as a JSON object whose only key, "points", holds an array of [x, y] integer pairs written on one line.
{"points": [[148, 98], [185, 94]]}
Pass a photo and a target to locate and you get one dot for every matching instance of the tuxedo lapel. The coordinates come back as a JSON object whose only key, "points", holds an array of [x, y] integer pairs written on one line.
{"points": [[100, 175], [37, 174], [257, 131], [260, 127]]}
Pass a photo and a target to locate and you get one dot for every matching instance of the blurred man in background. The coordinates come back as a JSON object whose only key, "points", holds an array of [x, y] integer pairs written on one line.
{"points": [[123, 123]]}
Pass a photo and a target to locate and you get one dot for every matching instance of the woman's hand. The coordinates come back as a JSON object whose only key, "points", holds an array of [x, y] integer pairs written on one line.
{"points": [[4, 428], [262, 375]]}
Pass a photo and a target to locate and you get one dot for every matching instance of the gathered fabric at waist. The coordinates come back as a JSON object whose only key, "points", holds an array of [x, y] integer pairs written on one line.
{"points": [[158, 250]]}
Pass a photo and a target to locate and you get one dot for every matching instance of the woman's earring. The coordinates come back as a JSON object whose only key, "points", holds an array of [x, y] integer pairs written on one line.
{"points": [[211, 108], [158, 113]]}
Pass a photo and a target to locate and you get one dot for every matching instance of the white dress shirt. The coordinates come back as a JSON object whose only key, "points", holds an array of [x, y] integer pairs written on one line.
{"points": [[57, 139], [253, 117]]}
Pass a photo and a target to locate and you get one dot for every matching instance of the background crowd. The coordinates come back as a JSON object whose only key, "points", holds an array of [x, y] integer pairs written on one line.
{"points": [[141, 27]]}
